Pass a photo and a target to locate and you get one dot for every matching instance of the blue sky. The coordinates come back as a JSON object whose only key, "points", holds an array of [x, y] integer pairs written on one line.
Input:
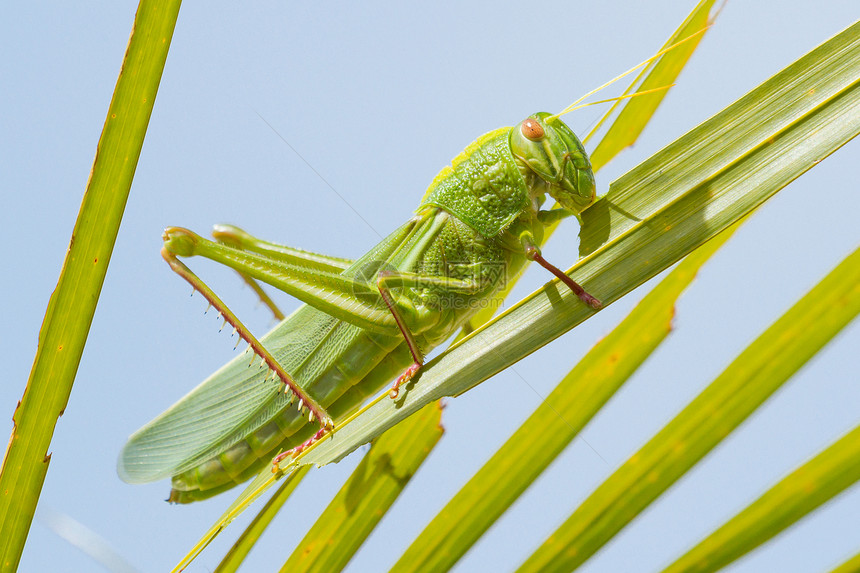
{"points": [[377, 99]]}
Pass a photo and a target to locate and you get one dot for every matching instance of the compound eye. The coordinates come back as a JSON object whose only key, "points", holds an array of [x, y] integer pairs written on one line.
{"points": [[532, 130]]}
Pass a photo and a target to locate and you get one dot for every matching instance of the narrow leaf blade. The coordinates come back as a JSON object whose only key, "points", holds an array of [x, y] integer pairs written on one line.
{"points": [[73, 303]]}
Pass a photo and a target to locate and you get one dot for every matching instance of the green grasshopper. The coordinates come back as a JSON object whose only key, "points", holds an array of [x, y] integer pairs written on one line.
{"points": [[369, 321], [363, 322]]}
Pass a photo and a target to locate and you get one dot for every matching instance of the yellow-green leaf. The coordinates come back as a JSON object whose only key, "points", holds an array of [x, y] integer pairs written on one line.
{"points": [[73, 303]]}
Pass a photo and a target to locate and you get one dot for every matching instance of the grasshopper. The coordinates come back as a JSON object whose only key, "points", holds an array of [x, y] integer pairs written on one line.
{"points": [[364, 322]]}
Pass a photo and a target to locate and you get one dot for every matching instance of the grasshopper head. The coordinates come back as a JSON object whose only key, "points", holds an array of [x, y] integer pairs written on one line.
{"points": [[554, 154]]}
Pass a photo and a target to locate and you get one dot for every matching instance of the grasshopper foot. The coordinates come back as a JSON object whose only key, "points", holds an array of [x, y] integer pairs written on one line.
{"points": [[403, 379], [590, 300], [293, 452]]}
